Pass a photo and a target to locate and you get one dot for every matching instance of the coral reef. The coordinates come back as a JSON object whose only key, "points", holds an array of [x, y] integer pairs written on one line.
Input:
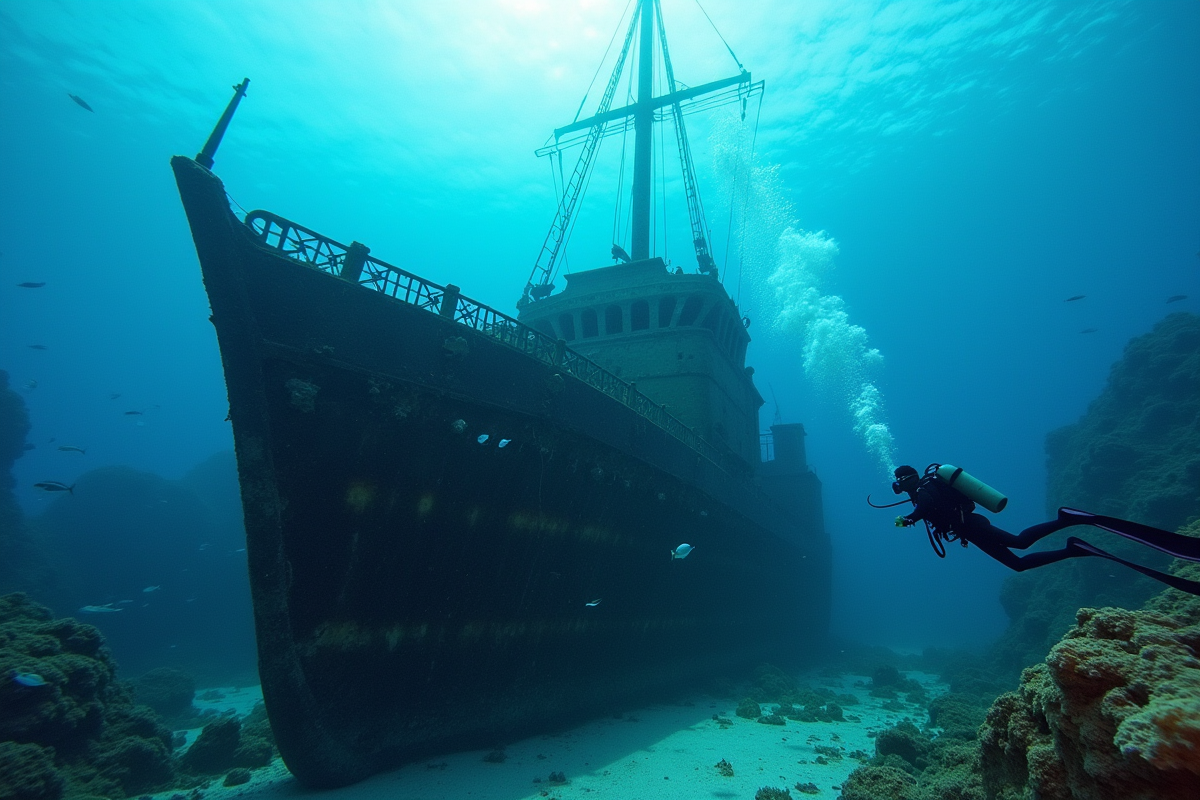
{"points": [[27, 772], [749, 709], [168, 691], [878, 783], [228, 742], [78, 731], [1113, 712], [772, 793], [905, 741]]}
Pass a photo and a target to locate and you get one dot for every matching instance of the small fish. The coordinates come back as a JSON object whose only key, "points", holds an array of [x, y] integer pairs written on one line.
{"points": [[31, 285], [30, 446], [459, 425], [682, 551], [114, 395], [205, 546], [31, 385], [504, 442], [594, 603], [105, 609], [1175, 298], [483, 437], [124, 602], [1089, 330], [70, 448], [54, 486], [79, 101], [38, 347], [150, 589], [133, 413], [1073, 298], [30, 679]]}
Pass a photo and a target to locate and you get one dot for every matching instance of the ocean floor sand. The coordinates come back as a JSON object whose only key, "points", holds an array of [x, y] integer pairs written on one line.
{"points": [[660, 751]]}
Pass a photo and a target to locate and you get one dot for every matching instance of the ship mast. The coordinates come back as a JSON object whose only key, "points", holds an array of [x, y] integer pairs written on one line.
{"points": [[643, 128], [678, 98]]}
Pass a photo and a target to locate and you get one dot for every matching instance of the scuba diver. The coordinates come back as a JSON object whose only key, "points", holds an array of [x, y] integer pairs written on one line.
{"points": [[945, 497]]}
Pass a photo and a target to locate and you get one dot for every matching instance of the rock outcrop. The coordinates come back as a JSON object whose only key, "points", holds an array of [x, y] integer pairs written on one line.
{"points": [[153, 548], [22, 566], [1135, 454]]}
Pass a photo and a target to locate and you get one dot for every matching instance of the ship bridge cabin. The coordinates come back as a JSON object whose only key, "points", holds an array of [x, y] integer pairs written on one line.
{"points": [[679, 337]]}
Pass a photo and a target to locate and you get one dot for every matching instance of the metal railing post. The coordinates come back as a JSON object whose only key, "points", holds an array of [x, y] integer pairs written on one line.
{"points": [[352, 264], [449, 301]]}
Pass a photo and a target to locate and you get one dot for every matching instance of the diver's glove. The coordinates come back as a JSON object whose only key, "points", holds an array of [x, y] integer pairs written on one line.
{"points": [[903, 521]]}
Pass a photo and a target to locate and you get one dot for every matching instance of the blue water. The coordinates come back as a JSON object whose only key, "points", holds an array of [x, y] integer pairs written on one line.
{"points": [[944, 175]]}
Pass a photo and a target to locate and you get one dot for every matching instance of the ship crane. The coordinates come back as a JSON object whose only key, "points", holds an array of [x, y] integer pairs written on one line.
{"points": [[589, 132]]}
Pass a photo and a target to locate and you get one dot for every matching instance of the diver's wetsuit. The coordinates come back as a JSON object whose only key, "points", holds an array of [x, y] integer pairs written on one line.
{"points": [[950, 514]]}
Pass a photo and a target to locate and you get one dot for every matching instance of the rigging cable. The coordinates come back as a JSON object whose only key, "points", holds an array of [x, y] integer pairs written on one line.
{"points": [[620, 185], [605, 56], [619, 236], [746, 200], [663, 170], [722, 38], [563, 180], [737, 163], [655, 176]]}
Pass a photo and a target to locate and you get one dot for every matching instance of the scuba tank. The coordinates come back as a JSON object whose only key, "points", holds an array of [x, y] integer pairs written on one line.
{"points": [[972, 488]]}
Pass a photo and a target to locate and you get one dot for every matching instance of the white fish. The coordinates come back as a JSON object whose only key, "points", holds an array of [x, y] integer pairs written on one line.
{"points": [[106, 609], [150, 589], [483, 437], [682, 551], [504, 442], [594, 603]]}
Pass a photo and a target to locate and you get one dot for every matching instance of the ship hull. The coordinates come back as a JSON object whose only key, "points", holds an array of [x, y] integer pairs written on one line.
{"points": [[418, 587]]}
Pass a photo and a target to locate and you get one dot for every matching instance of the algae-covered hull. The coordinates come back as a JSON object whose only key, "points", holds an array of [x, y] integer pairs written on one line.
{"points": [[451, 541]]}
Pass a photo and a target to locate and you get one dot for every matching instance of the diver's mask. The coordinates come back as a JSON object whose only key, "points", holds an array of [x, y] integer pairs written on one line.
{"points": [[896, 487]]}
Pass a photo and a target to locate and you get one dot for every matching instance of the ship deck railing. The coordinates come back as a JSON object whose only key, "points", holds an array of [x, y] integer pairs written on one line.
{"points": [[352, 262]]}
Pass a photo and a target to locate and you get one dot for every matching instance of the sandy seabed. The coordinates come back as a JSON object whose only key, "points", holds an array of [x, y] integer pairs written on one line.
{"points": [[660, 751]]}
